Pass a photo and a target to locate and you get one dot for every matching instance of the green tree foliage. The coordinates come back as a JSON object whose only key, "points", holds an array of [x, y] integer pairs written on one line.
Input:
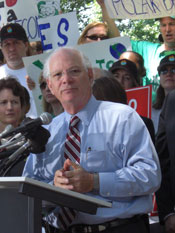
{"points": [[83, 9], [147, 30]]}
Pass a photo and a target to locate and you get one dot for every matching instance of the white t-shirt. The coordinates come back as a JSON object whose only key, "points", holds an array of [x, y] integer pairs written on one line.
{"points": [[20, 74]]}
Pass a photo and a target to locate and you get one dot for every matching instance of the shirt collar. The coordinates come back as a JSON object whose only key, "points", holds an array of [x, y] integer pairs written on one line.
{"points": [[87, 112]]}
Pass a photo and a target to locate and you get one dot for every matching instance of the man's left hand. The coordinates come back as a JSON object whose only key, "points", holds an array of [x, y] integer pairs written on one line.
{"points": [[79, 180]]}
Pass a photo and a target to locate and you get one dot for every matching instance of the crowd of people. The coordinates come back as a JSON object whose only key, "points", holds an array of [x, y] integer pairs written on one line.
{"points": [[98, 145]]}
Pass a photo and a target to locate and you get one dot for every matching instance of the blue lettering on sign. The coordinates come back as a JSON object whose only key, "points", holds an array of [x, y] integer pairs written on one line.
{"points": [[154, 6], [31, 26], [34, 25], [171, 5], [43, 27], [145, 3], [65, 23], [133, 10], [113, 3]]}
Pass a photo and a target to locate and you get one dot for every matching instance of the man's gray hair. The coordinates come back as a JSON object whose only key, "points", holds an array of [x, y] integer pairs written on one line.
{"points": [[85, 60]]}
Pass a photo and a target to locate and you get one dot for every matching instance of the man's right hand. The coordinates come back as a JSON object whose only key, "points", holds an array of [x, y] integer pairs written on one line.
{"points": [[30, 82], [170, 224]]}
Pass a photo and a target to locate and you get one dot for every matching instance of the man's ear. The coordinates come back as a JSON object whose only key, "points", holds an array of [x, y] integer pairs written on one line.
{"points": [[91, 75], [49, 83]]}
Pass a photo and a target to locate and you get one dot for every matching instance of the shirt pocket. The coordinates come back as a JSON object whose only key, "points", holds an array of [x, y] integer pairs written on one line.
{"points": [[95, 161]]}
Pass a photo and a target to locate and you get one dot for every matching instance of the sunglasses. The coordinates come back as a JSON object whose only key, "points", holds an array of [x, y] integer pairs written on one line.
{"points": [[164, 72], [96, 37], [43, 85]]}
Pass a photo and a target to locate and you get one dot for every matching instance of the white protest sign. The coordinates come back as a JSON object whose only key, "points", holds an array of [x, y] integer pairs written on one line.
{"points": [[34, 67], [59, 30], [23, 12], [140, 9], [48, 8], [104, 53]]}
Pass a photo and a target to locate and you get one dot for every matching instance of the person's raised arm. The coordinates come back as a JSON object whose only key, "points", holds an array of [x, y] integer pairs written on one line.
{"points": [[113, 30]]}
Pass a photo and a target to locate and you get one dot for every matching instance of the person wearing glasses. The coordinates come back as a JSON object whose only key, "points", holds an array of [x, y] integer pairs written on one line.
{"points": [[50, 103], [166, 70], [111, 156], [97, 31]]}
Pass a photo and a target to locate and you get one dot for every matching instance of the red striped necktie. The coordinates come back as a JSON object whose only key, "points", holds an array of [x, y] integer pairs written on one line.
{"points": [[72, 144], [72, 152]]}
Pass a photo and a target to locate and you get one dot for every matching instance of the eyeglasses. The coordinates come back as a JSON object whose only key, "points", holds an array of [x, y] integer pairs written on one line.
{"points": [[164, 72], [73, 72], [96, 37], [43, 85]]}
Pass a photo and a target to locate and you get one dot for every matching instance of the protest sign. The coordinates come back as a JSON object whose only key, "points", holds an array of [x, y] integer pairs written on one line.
{"points": [[104, 53], [34, 67], [140, 9], [59, 30], [23, 12], [140, 98]]}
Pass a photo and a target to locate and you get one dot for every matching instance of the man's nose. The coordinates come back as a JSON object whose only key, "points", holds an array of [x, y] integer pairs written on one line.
{"points": [[11, 47], [9, 105], [66, 76], [167, 28]]}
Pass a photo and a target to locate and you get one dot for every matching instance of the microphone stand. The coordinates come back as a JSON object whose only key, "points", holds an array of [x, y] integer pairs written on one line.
{"points": [[13, 159]]}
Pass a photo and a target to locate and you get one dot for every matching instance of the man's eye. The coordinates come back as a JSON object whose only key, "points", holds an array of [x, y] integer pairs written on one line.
{"points": [[128, 78], [3, 102], [57, 75], [115, 75], [74, 71]]}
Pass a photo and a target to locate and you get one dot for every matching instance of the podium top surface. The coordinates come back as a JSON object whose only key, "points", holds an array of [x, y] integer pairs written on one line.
{"points": [[15, 182]]}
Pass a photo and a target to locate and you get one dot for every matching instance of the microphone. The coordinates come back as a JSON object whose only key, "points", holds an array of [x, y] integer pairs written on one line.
{"points": [[7, 129], [8, 150], [44, 119], [18, 152]]}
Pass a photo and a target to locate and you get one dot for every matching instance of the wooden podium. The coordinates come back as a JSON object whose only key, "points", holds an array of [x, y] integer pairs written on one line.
{"points": [[22, 198]]}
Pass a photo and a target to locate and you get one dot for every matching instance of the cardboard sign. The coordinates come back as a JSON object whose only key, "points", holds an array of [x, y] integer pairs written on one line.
{"points": [[140, 98], [103, 54], [23, 12], [34, 65], [140, 9], [60, 30]]}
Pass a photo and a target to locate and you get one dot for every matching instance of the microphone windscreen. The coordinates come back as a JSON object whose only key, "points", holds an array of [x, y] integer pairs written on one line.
{"points": [[39, 138]]}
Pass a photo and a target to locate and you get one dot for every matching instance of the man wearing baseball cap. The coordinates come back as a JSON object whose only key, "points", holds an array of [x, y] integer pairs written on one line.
{"points": [[15, 46], [125, 71]]}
